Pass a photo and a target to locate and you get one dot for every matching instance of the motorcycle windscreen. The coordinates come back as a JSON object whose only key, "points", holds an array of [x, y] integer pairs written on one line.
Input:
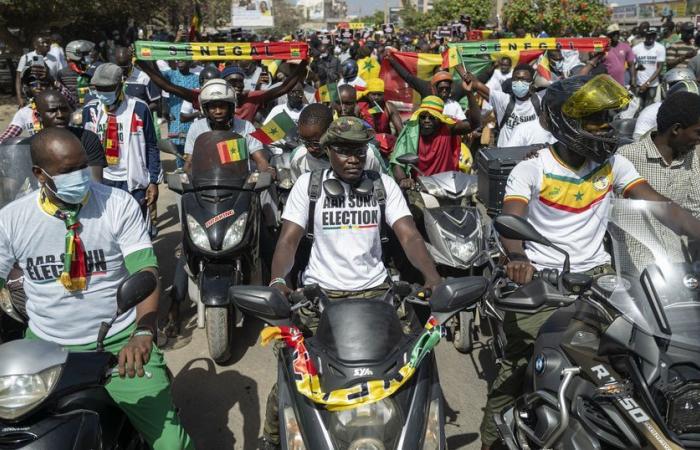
{"points": [[16, 177], [220, 158]]}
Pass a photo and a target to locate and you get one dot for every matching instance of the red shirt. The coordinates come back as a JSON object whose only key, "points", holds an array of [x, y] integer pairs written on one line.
{"points": [[248, 108], [439, 152]]}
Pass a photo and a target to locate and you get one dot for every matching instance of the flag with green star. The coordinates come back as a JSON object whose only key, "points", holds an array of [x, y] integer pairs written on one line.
{"points": [[368, 68], [275, 130]]}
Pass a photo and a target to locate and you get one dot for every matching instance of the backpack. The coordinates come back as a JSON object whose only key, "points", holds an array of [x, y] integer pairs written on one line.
{"points": [[534, 98]]}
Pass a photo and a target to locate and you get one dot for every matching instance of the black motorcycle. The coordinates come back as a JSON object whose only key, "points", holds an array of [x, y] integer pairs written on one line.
{"points": [[360, 346], [221, 215], [617, 365], [54, 399]]}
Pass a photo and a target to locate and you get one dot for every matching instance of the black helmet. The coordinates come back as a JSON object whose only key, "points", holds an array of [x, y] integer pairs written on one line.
{"points": [[208, 73], [568, 103], [687, 27]]}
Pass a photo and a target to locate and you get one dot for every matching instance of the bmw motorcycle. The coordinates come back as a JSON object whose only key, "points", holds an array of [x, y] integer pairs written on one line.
{"points": [[455, 234], [221, 216], [617, 365], [54, 399], [368, 353]]}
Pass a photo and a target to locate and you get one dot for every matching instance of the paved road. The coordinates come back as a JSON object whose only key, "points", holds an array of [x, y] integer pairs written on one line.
{"points": [[223, 407]]}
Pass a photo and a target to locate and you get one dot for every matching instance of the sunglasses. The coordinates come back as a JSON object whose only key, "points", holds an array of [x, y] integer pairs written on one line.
{"points": [[308, 143], [347, 152]]}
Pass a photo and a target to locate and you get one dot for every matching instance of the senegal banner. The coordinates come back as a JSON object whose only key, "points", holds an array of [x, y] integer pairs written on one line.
{"points": [[218, 51], [496, 49], [307, 379]]}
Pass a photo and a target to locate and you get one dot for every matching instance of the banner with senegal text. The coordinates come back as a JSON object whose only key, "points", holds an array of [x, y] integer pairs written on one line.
{"points": [[515, 48], [220, 51]]}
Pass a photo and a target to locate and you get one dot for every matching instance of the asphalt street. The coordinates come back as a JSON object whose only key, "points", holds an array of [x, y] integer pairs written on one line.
{"points": [[222, 407]]}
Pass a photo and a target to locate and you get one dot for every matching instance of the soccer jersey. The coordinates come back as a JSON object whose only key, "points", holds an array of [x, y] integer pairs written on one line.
{"points": [[569, 206]]}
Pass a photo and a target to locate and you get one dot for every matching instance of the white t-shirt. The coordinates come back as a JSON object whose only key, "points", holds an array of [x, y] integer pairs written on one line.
{"points": [[530, 133], [496, 81], [139, 85], [186, 108], [163, 66], [303, 162], [24, 118], [524, 111], [293, 113], [58, 53], [347, 250], [240, 126], [649, 57], [646, 120], [50, 60], [569, 207], [112, 229], [454, 110]]}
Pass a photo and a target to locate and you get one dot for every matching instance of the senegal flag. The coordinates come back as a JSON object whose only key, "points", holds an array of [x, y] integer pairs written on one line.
{"points": [[368, 68], [274, 130], [232, 150], [421, 65], [327, 93]]}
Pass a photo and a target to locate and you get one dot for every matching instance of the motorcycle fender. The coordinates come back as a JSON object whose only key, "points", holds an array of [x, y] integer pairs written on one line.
{"points": [[214, 282], [76, 429]]}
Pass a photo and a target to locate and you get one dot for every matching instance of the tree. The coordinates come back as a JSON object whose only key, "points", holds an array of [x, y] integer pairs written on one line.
{"points": [[376, 19], [557, 17], [445, 12]]}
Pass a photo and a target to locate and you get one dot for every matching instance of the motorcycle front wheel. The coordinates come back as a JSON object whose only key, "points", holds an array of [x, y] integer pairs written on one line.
{"points": [[218, 320], [462, 336]]}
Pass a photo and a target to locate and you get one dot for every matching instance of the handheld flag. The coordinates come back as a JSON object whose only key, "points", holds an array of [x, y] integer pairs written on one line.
{"points": [[274, 130], [328, 93], [196, 22], [376, 109], [232, 150]]}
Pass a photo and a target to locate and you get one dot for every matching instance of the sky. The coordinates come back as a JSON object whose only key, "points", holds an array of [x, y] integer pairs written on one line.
{"points": [[366, 8]]}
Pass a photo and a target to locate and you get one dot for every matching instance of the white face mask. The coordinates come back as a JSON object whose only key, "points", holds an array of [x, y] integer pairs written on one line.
{"points": [[521, 88]]}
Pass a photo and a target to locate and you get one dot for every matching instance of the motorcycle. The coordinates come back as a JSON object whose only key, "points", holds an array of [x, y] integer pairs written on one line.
{"points": [[455, 233], [221, 216], [358, 356], [616, 365], [55, 399], [16, 180]]}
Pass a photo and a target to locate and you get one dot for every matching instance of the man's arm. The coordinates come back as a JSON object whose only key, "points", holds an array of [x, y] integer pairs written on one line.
{"points": [[394, 117], [283, 258], [18, 89], [469, 77], [674, 217], [152, 156], [519, 269], [296, 76], [416, 251], [11, 131], [159, 80], [421, 86]]}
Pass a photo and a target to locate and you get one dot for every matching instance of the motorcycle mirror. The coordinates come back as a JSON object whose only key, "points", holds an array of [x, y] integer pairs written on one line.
{"points": [[135, 289], [174, 182], [264, 181], [266, 303], [166, 146], [408, 159], [514, 227], [454, 295]]}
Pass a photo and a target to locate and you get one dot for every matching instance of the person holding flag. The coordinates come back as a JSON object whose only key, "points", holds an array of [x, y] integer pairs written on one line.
{"points": [[376, 112]]}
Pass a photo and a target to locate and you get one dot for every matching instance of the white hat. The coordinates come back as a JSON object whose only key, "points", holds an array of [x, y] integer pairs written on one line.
{"points": [[612, 28]]}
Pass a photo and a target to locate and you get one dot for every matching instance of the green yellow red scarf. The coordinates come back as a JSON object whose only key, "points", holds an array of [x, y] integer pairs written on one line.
{"points": [[74, 274]]}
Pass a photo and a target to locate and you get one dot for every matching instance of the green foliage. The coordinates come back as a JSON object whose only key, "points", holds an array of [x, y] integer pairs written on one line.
{"points": [[557, 17], [376, 19], [445, 12]]}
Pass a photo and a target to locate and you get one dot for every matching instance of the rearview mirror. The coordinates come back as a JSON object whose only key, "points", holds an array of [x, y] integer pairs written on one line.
{"points": [[135, 289], [408, 159], [264, 181], [174, 182], [167, 146], [263, 302], [454, 295], [514, 227]]}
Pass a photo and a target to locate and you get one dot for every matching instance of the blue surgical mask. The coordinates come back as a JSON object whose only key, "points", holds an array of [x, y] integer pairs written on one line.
{"points": [[558, 65], [521, 88], [106, 98], [71, 187]]}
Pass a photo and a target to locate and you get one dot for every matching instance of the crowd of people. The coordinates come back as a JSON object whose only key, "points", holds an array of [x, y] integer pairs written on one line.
{"points": [[95, 118]]}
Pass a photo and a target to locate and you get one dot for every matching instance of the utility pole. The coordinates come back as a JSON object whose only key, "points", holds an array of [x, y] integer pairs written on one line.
{"points": [[386, 11]]}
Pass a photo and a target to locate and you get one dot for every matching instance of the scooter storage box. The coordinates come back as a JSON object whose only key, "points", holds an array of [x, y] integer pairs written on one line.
{"points": [[494, 164]]}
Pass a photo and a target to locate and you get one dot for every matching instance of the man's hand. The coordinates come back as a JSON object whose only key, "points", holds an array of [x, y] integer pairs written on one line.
{"points": [[134, 356], [431, 283], [283, 288], [643, 88], [520, 271], [407, 183], [151, 194]]}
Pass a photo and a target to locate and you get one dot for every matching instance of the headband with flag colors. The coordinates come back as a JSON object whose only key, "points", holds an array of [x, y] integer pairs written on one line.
{"points": [[232, 150], [220, 51], [308, 382], [275, 130]]}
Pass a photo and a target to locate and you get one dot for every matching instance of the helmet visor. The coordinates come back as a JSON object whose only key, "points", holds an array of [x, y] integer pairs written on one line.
{"points": [[599, 94]]}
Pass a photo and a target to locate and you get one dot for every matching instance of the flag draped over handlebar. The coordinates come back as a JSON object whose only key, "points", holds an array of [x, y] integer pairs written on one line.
{"points": [[308, 383], [220, 51]]}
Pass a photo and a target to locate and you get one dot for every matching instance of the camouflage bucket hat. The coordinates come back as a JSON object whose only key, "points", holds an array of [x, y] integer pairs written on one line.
{"points": [[347, 130]]}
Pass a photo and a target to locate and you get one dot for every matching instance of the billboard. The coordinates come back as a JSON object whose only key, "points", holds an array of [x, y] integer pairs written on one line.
{"points": [[252, 13], [314, 9]]}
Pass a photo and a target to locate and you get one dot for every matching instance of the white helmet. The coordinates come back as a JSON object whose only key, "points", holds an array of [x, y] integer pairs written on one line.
{"points": [[77, 50], [216, 90], [678, 74]]}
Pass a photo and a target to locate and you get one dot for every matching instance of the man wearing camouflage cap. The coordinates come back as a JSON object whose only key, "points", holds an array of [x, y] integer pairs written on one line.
{"points": [[345, 222]]}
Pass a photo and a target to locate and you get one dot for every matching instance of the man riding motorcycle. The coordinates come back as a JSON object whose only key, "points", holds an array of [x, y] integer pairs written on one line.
{"points": [[85, 239], [346, 254], [564, 193]]}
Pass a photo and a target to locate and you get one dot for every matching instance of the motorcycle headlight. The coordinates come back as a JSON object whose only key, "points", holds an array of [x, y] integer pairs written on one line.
{"points": [[367, 427], [431, 441], [432, 188], [462, 250], [197, 234], [684, 409], [295, 441], [19, 394], [235, 231]]}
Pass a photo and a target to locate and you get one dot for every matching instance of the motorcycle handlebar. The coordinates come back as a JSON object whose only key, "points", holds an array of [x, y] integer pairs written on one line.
{"points": [[550, 276]]}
